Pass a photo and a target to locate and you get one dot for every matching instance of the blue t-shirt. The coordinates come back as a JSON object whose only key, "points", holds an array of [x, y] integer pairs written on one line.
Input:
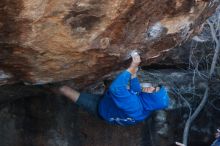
{"points": [[124, 106], [216, 142]]}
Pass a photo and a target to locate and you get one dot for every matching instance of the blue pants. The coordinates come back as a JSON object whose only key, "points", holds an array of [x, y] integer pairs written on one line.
{"points": [[89, 102]]}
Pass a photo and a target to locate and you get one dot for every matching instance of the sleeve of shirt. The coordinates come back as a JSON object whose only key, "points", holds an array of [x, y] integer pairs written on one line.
{"points": [[135, 85], [121, 96]]}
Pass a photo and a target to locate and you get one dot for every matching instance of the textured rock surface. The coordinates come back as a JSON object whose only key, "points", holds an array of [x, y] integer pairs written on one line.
{"points": [[44, 41]]}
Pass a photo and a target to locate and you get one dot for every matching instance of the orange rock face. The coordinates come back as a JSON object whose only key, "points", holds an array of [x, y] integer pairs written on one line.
{"points": [[44, 41]]}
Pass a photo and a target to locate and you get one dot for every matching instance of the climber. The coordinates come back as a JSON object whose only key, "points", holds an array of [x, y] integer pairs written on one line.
{"points": [[217, 141], [120, 104]]}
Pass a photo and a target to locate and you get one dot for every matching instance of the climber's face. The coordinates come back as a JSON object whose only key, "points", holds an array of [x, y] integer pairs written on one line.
{"points": [[217, 135], [148, 89]]}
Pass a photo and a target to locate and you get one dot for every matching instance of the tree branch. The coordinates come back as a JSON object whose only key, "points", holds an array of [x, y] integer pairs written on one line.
{"points": [[205, 96]]}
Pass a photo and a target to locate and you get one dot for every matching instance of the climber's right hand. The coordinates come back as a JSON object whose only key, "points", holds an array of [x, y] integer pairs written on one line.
{"points": [[136, 60]]}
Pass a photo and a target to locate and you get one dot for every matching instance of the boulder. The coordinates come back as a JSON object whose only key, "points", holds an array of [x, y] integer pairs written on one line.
{"points": [[46, 41]]}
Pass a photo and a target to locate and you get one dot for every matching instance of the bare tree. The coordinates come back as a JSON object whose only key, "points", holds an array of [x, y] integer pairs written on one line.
{"points": [[214, 25]]}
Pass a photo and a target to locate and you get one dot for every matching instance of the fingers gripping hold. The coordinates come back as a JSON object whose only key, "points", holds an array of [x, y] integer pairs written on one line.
{"points": [[135, 58]]}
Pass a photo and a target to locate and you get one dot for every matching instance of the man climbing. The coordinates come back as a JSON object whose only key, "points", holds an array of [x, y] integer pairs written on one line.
{"points": [[217, 141], [125, 102]]}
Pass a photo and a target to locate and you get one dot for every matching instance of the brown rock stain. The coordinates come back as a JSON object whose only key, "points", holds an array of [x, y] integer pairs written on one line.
{"points": [[12, 29]]}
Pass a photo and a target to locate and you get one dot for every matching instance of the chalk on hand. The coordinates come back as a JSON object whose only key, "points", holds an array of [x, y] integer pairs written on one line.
{"points": [[179, 144], [134, 53], [218, 130]]}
